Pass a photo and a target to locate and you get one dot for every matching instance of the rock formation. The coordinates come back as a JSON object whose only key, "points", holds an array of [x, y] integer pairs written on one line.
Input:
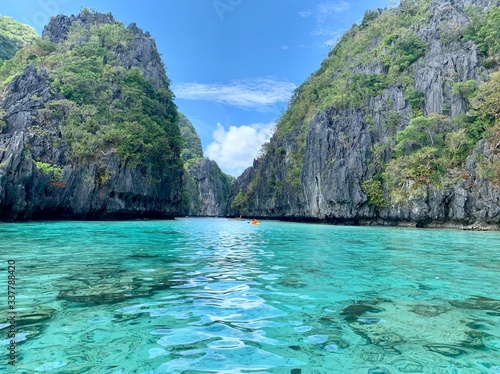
{"points": [[42, 176], [325, 167], [141, 52], [206, 187], [192, 143]]}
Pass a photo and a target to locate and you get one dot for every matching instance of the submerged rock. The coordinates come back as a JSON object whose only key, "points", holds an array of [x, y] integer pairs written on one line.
{"points": [[478, 302], [113, 285], [141, 255], [104, 293], [430, 331], [477, 339], [445, 350], [429, 310], [31, 316], [352, 313], [30, 322]]}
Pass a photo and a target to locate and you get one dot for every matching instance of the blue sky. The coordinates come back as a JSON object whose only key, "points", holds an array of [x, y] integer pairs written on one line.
{"points": [[233, 64]]}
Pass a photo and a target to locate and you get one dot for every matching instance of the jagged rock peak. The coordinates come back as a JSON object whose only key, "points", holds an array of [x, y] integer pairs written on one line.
{"points": [[443, 7], [141, 51], [487, 4], [58, 28]]}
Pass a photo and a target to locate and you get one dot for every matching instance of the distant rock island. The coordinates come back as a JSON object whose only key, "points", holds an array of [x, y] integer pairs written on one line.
{"points": [[206, 187]]}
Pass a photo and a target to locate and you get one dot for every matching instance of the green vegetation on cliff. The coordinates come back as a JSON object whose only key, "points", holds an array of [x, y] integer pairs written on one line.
{"points": [[434, 148], [13, 37], [205, 186], [386, 39], [104, 107], [365, 61], [414, 148], [488, 114], [191, 141], [484, 30]]}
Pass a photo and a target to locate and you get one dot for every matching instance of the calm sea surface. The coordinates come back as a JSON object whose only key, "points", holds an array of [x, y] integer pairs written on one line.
{"points": [[222, 296]]}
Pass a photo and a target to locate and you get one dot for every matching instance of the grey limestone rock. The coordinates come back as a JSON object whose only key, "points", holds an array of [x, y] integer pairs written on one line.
{"points": [[207, 188], [31, 138], [340, 146], [142, 52]]}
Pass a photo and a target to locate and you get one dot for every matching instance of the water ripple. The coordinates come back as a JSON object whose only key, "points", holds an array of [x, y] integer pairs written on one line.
{"points": [[219, 296]]}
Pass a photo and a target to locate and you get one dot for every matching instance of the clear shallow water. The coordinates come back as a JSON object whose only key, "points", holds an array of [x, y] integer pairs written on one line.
{"points": [[221, 296]]}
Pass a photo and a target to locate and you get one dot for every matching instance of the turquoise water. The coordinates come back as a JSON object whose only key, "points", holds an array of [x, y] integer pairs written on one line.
{"points": [[221, 296]]}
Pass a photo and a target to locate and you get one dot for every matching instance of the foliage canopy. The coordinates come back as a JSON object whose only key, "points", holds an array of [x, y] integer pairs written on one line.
{"points": [[14, 36], [106, 107]]}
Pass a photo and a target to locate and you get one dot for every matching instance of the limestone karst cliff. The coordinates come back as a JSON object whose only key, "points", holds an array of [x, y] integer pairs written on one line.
{"points": [[206, 187], [88, 125], [397, 126]]}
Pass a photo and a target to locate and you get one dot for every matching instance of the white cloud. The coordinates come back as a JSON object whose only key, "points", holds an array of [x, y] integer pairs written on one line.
{"points": [[327, 28], [235, 149], [247, 94], [284, 47], [305, 13], [330, 8]]}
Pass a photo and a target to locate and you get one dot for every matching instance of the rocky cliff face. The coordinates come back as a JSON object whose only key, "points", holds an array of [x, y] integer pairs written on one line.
{"points": [[206, 188], [316, 168], [40, 178], [192, 143], [141, 52]]}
